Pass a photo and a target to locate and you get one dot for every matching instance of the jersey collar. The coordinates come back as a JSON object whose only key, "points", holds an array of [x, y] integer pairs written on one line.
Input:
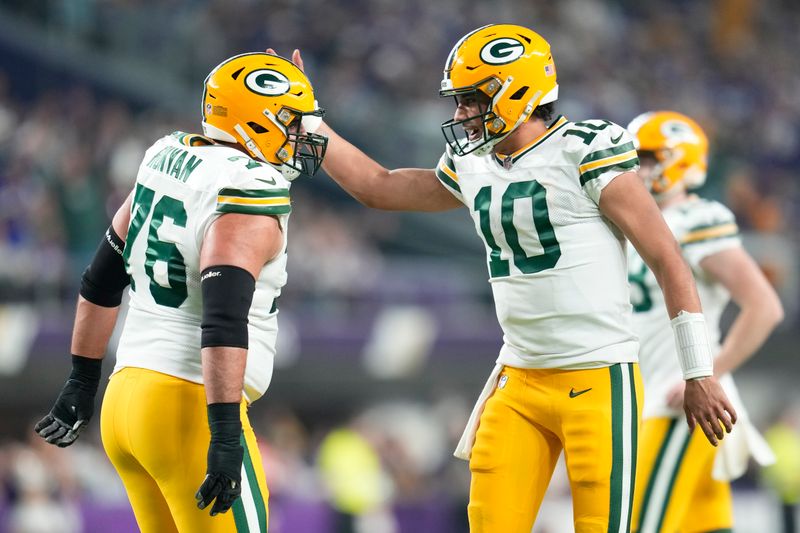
{"points": [[507, 161]]}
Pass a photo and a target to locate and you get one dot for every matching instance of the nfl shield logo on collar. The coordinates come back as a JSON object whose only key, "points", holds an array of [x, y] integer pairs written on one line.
{"points": [[502, 383], [507, 162]]}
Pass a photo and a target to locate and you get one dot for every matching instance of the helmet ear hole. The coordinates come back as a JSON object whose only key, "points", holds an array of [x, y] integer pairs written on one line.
{"points": [[256, 127], [519, 93]]}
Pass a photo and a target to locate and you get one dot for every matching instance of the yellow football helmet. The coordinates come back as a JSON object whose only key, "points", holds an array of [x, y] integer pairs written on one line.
{"points": [[260, 101], [510, 64], [678, 145]]}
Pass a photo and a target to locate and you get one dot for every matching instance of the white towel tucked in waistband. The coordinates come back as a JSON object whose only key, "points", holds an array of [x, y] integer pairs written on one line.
{"points": [[464, 448], [742, 443], [736, 449]]}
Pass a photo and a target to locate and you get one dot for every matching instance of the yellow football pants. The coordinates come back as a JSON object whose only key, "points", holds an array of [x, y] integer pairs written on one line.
{"points": [[593, 415], [675, 492], [155, 431]]}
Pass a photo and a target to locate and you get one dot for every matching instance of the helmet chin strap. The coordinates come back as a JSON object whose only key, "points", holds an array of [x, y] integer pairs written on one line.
{"points": [[249, 143]]}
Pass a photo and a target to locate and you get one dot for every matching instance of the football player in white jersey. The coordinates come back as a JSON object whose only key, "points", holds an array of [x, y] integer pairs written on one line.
{"points": [[552, 201], [678, 486], [202, 242]]}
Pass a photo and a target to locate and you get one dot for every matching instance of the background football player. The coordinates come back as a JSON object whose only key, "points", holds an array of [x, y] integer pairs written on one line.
{"points": [[549, 198], [679, 488], [202, 241]]}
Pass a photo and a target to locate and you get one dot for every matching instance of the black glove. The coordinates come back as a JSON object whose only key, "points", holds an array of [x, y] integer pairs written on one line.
{"points": [[225, 455], [74, 407]]}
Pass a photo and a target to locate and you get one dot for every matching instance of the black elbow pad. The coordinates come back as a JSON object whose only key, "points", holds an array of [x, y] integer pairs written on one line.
{"points": [[105, 278]]}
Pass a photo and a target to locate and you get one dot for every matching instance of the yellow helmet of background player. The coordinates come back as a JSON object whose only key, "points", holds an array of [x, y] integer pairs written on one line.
{"points": [[510, 64], [259, 101], [679, 146]]}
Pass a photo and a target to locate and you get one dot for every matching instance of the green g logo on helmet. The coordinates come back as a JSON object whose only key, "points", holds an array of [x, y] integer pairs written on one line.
{"points": [[267, 82], [677, 131], [501, 51]]}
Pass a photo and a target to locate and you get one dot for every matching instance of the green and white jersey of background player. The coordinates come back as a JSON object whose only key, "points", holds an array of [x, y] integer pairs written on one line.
{"points": [[557, 267], [184, 183], [702, 228]]}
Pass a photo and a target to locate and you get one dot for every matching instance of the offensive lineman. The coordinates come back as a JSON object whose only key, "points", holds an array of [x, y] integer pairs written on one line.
{"points": [[551, 199], [675, 488], [202, 242]]}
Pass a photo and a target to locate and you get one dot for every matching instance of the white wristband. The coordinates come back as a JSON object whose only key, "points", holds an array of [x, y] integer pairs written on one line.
{"points": [[691, 340]]}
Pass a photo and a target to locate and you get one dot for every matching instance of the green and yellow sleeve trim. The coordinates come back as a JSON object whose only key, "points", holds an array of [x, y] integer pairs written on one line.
{"points": [[710, 233], [254, 201], [446, 172], [597, 163]]}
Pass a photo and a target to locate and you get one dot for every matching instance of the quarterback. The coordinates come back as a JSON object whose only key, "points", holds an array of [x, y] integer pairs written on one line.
{"points": [[553, 201], [682, 482], [202, 242]]}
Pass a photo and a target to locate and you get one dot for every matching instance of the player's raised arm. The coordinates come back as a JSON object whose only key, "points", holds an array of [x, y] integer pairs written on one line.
{"points": [[95, 316], [404, 189], [628, 204], [235, 249]]}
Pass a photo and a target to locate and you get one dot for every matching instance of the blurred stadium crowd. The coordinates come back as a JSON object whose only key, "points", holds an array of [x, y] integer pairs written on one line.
{"points": [[71, 139]]}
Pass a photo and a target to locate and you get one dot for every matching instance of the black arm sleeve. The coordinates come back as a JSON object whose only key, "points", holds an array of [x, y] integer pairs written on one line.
{"points": [[227, 296], [105, 278]]}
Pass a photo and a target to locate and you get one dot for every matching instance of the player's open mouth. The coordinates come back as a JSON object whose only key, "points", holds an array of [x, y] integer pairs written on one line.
{"points": [[473, 134]]}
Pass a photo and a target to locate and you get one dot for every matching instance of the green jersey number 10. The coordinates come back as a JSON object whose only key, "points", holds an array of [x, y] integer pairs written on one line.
{"points": [[527, 264]]}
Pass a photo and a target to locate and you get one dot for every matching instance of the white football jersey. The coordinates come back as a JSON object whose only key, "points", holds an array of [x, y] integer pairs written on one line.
{"points": [[702, 228], [184, 183], [556, 266]]}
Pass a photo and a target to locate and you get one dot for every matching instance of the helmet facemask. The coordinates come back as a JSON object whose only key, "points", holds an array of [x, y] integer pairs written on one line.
{"points": [[651, 169], [658, 182], [493, 128], [303, 150]]}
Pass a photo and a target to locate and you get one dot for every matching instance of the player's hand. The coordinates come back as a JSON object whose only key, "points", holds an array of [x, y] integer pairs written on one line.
{"points": [[675, 395], [706, 405], [296, 58], [223, 482], [74, 407]]}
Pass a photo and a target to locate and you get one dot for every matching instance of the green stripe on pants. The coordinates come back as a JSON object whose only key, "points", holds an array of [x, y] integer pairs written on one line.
{"points": [[258, 498], [615, 503], [663, 475], [239, 516], [656, 467], [673, 475], [634, 441]]}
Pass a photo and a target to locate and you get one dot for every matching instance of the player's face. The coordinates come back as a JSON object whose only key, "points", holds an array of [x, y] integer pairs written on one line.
{"points": [[296, 126], [472, 105]]}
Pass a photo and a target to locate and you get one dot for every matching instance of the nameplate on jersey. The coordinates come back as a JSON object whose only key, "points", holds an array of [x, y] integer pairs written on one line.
{"points": [[175, 162]]}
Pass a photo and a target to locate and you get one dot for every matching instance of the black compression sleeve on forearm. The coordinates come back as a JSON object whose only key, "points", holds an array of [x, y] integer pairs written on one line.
{"points": [[105, 278], [227, 295]]}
